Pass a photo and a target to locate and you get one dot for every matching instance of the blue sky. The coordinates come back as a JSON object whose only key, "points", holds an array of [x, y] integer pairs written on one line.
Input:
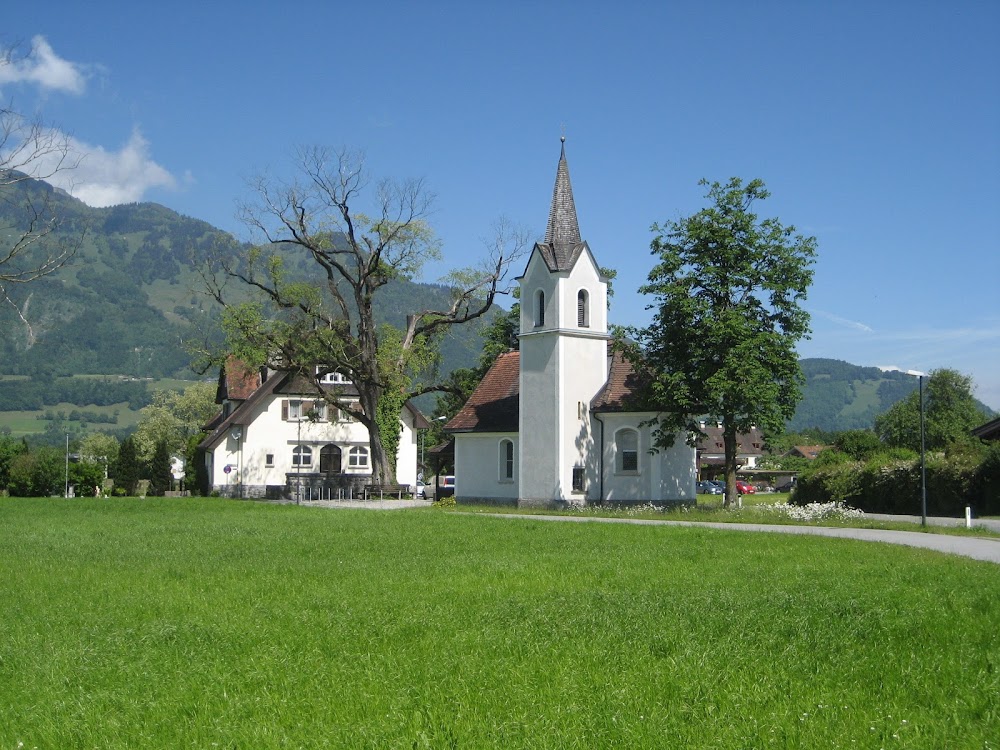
{"points": [[876, 126]]}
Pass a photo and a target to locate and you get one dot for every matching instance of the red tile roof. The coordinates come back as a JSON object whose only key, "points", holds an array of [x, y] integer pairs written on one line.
{"points": [[622, 384], [493, 406], [237, 380]]}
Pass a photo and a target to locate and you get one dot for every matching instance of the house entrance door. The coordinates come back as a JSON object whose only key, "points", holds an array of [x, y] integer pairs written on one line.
{"points": [[330, 460]]}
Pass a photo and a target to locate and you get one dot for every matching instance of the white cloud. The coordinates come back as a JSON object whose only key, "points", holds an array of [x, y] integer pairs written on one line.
{"points": [[107, 178], [844, 321], [43, 67]]}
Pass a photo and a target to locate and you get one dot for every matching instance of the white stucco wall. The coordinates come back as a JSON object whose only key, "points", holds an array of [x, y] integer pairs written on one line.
{"points": [[563, 366], [478, 472], [267, 433], [666, 476]]}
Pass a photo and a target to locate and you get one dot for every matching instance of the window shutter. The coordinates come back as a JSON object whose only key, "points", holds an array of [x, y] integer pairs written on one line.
{"points": [[284, 410]]}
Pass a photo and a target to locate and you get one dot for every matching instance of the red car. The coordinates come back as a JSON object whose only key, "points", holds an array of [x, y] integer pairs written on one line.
{"points": [[745, 488]]}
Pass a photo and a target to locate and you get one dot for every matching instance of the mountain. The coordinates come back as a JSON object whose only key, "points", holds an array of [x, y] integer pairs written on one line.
{"points": [[131, 296], [841, 396]]}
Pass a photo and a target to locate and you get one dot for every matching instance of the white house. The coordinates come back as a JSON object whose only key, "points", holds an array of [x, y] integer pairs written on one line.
{"points": [[274, 438], [551, 424]]}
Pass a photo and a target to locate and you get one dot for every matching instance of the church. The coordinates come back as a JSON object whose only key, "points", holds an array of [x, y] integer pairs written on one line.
{"points": [[549, 425]]}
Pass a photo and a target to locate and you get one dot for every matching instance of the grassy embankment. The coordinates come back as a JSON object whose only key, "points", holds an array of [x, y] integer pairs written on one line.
{"points": [[202, 623]]}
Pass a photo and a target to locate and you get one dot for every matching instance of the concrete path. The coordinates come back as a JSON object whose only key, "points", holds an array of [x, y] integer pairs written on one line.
{"points": [[978, 548]]}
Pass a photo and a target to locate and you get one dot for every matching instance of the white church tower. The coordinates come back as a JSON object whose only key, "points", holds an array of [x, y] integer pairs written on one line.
{"points": [[564, 359]]}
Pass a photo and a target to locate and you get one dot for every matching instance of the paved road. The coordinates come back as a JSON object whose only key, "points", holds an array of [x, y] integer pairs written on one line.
{"points": [[978, 548]]}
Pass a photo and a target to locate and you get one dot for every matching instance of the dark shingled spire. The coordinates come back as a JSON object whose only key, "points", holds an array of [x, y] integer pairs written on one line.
{"points": [[563, 228]]}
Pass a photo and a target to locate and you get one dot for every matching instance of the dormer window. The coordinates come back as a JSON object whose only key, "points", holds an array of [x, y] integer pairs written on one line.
{"points": [[539, 309], [331, 377], [582, 310]]}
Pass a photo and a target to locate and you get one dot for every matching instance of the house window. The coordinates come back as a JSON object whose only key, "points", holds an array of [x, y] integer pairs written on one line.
{"points": [[582, 310], [269, 460], [627, 451], [357, 458], [302, 455], [330, 460], [506, 461], [579, 482], [297, 410], [539, 309]]}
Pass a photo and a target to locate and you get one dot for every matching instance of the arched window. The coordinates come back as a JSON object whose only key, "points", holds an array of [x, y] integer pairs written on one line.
{"points": [[330, 460], [357, 457], [539, 309], [506, 460], [627, 451], [302, 455], [582, 310]]}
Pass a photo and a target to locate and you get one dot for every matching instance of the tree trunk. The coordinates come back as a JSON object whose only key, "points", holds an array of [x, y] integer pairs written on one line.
{"points": [[382, 471], [729, 441]]}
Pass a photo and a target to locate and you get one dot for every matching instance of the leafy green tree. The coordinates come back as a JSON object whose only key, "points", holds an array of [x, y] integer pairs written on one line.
{"points": [[86, 475], [38, 473], [728, 288], [325, 317], [100, 447], [127, 468], [173, 417], [950, 412], [160, 475], [858, 444], [10, 448]]}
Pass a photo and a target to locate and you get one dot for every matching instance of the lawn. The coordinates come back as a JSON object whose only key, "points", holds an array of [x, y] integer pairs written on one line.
{"points": [[214, 623]]}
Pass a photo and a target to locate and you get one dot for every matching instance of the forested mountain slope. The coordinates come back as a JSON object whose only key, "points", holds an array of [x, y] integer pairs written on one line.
{"points": [[841, 396], [131, 297]]}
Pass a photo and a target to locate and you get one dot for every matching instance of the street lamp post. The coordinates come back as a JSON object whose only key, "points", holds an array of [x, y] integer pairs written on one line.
{"points": [[923, 449]]}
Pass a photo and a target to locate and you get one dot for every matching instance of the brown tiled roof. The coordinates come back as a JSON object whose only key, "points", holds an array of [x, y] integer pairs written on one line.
{"points": [[237, 380], [622, 385], [493, 406], [808, 451], [712, 442]]}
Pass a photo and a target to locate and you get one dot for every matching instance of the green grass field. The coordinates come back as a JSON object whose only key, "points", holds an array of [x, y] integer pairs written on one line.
{"points": [[213, 623], [22, 423]]}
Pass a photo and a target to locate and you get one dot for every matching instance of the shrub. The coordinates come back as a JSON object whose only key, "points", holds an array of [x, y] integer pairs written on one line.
{"points": [[985, 484]]}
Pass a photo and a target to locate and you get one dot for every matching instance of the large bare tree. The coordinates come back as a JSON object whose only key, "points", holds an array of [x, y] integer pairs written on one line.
{"points": [[29, 150], [357, 236]]}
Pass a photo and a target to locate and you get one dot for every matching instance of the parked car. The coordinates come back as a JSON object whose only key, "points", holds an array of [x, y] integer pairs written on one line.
{"points": [[745, 488], [707, 488], [420, 489], [786, 486], [446, 486]]}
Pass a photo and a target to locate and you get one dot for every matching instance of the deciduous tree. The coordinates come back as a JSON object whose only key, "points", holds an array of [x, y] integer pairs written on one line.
{"points": [[950, 413], [354, 237], [29, 150], [728, 288]]}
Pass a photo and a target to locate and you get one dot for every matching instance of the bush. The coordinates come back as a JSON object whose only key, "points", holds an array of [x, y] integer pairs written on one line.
{"points": [[40, 473], [985, 484], [890, 482]]}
